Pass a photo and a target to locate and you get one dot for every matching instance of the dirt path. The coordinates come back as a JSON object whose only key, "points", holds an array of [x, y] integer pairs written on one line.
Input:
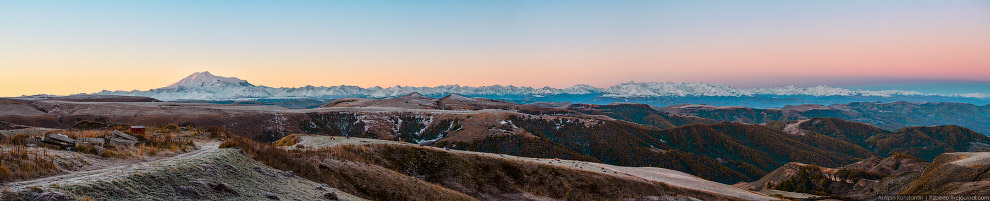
{"points": [[973, 158], [110, 172], [684, 180], [794, 128]]}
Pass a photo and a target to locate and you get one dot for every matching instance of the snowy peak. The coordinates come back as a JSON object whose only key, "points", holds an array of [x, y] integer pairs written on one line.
{"points": [[654, 89], [205, 79], [206, 86]]}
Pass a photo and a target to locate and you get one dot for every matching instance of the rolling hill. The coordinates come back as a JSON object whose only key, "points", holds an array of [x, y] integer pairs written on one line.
{"points": [[887, 116]]}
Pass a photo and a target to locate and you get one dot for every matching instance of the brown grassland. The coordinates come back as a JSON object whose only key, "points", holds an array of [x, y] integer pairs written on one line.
{"points": [[20, 162], [398, 172]]}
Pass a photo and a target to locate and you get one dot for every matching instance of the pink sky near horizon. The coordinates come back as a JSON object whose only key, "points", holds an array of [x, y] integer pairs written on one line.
{"points": [[65, 52]]}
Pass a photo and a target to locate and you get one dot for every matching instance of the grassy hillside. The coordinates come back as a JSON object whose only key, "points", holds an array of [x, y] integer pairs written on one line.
{"points": [[758, 146], [928, 142], [402, 172], [923, 142], [888, 116], [849, 131], [639, 113], [354, 177], [724, 152], [961, 173]]}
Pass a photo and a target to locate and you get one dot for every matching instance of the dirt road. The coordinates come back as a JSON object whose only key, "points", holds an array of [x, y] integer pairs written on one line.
{"points": [[111, 172]]}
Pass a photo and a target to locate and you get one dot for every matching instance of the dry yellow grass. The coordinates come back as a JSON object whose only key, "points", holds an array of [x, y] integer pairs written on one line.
{"points": [[17, 139], [75, 134], [18, 162], [150, 144]]}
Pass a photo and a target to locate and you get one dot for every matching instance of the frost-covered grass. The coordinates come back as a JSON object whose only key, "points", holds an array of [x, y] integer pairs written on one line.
{"points": [[209, 174], [19, 162]]}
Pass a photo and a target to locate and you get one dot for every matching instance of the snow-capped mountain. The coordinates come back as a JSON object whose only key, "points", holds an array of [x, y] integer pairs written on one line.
{"points": [[653, 89], [206, 86], [206, 80]]}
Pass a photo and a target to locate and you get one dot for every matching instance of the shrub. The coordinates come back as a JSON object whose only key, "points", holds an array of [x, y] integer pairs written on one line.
{"points": [[287, 141]]}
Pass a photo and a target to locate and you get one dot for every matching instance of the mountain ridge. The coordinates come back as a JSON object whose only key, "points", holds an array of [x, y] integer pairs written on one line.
{"points": [[207, 79], [206, 86], [890, 116]]}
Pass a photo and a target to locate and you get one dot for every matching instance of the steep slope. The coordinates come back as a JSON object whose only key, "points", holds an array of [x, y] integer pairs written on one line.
{"points": [[893, 165], [866, 179], [638, 113], [828, 143], [734, 114], [895, 115], [751, 146], [875, 176], [888, 116], [960, 173], [499, 177], [922, 142], [724, 152], [849, 131], [928, 142]]}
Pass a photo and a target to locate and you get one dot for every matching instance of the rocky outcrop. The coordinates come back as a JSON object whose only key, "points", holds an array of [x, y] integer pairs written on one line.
{"points": [[863, 180]]}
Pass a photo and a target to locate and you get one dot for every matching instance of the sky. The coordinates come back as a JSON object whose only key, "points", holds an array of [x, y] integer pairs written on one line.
{"points": [[68, 47]]}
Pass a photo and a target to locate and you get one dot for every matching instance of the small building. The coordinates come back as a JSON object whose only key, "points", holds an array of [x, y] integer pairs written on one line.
{"points": [[138, 130]]}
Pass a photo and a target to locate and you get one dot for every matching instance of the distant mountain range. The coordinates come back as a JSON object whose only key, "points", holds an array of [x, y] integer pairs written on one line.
{"points": [[204, 86], [889, 116]]}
